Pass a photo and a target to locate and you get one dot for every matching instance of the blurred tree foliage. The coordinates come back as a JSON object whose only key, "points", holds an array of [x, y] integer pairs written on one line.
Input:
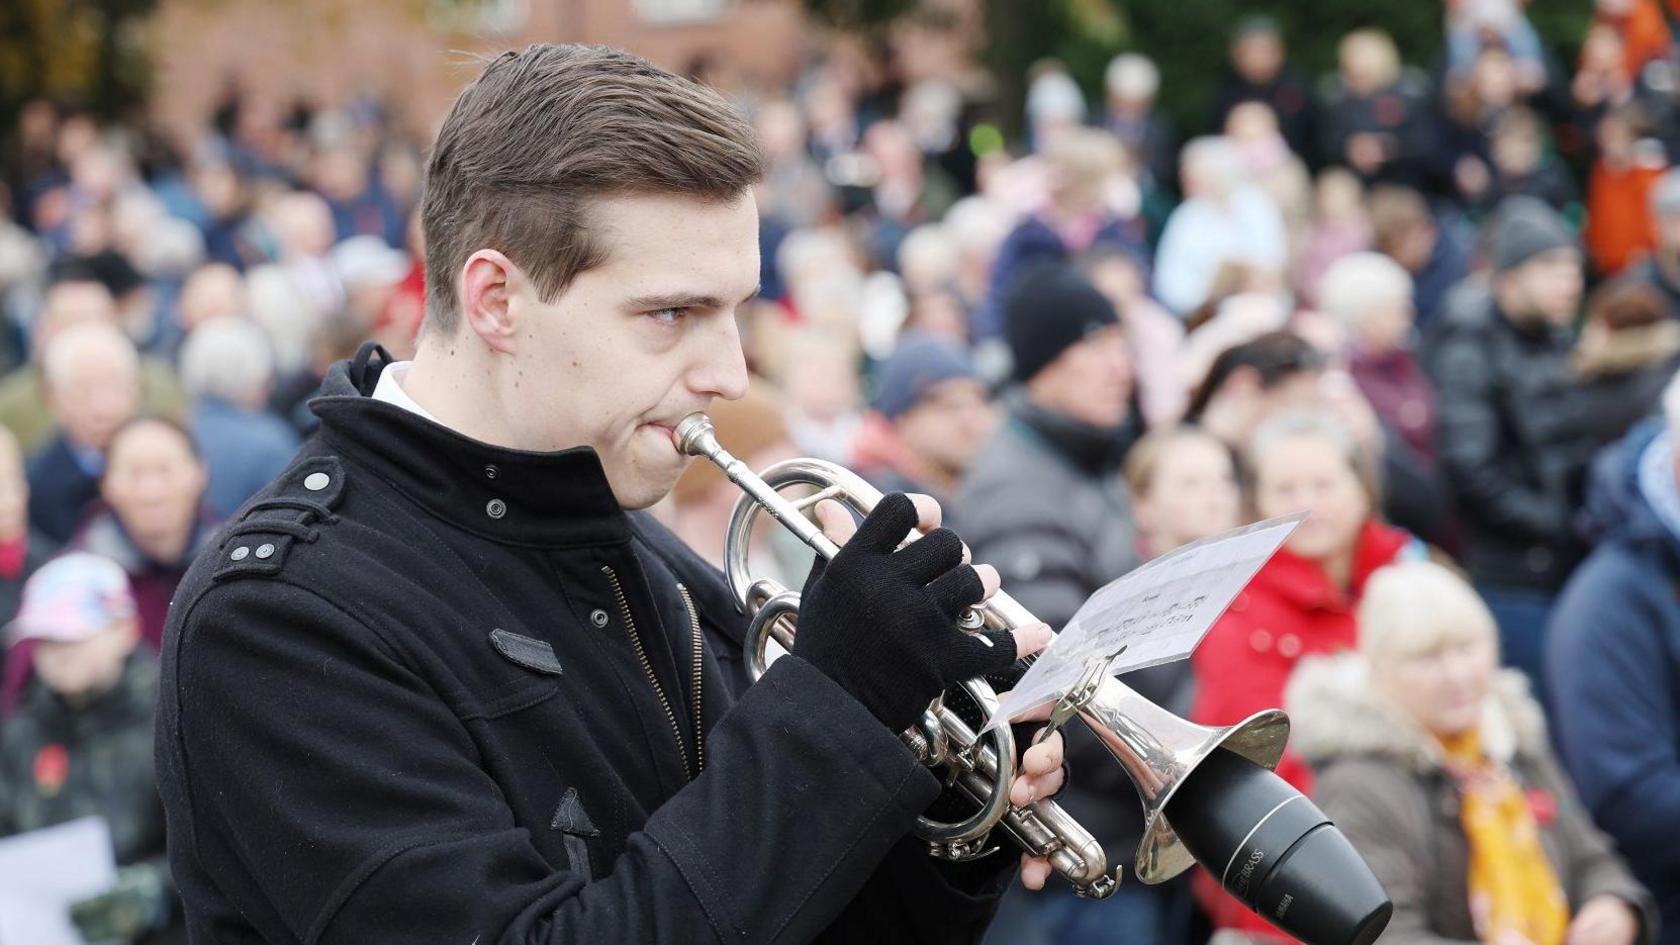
{"points": [[84, 51]]}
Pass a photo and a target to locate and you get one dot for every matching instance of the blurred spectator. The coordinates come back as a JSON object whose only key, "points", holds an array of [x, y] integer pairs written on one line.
{"points": [[80, 744], [292, 296], [228, 372], [1374, 114], [1226, 235], [1259, 71], [1473, 106], [1055, 106], [928, 419], [1340, 225], [1152, 333], [92, 379], [23, 393], [1662, 268], [154, 521], [752, 429], [213, 291], [1132, 81], [22, 549], [906, 191], [1436, 766], [1520, 164], [978, 226], [1371, 297], [1249, 382], [1641, 28], [335, 341], [1611, 658], [794, 192], [1183, 484], [1045, 504], [1429, 248], [1620, 226], [1267, 162], [1478, 25], [359, 205], [1302, 601], [822, 401], [1083, 167], [1628, 350], [1514, 433]]}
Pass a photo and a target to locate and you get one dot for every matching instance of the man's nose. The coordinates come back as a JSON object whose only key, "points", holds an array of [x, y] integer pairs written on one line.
{"points": [[723, 372]]}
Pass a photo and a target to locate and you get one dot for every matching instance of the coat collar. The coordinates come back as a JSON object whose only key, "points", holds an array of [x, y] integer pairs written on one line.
{"points": [[510, 496], [1336, 715], [1304, 582]]}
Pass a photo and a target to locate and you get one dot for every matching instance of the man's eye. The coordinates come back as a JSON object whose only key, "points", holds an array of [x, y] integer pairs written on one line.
{"points": [[667, 316]]}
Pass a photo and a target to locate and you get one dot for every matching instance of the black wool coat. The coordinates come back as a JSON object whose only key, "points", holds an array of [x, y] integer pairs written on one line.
{"points": [[422, 690]]}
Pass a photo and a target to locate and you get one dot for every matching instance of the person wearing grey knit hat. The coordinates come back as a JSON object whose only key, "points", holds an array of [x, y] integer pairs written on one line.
{"points": [[1502, 363], [1537, 263], [1526, 227], [928, 418]]}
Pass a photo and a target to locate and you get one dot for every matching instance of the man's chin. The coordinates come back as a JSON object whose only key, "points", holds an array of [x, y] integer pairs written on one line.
{"points": [[639, 491]]}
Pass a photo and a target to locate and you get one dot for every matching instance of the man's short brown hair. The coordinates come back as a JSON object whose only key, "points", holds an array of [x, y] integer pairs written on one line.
{"points": [[542, 132]]}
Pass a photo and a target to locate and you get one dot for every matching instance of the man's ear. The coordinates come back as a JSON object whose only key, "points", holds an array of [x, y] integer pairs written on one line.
{"points": [[488, 282]]}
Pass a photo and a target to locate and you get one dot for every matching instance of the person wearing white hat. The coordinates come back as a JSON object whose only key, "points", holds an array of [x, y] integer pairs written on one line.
{"points": [[80, 743]]}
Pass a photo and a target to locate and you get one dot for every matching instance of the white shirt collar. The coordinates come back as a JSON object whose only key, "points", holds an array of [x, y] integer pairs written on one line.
{"points": [[389, 389]]}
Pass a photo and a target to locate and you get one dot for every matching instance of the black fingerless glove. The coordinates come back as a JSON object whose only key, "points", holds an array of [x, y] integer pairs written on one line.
{"points": [[882, 622]]}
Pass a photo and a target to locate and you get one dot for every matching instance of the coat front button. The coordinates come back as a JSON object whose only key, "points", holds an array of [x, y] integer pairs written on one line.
{"points": [[598, 617], [496, 508], [1289, 645], [1260, 640], [491, 472]]}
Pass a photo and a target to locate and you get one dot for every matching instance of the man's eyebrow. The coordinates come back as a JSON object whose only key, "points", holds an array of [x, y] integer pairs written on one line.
{"points": [[684, 300]]}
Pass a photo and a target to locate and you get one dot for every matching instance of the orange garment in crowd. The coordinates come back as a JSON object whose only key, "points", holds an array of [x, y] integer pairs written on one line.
{"points": [[1644, 33], [1619, 227]]}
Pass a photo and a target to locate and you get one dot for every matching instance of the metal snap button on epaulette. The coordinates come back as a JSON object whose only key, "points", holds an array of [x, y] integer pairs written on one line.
{"points": [[240, 553], [496, 508], [315, 482], [265, 550]]}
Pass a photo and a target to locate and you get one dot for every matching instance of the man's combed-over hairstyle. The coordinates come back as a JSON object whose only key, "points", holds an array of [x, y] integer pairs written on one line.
{"points": [[542, 132]]}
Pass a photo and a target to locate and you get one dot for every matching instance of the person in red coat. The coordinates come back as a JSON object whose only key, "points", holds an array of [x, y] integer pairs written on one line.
{"points": [[1302, 601]]}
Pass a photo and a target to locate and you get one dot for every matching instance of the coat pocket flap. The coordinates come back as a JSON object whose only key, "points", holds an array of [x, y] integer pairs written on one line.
{"points": [[531, 654]]}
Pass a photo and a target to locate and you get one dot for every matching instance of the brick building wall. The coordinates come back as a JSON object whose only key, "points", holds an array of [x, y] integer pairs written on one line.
{"points": [[415, 58]]}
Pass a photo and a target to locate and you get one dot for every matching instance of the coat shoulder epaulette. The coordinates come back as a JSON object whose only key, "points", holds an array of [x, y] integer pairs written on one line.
{"points": [[290, 511]]}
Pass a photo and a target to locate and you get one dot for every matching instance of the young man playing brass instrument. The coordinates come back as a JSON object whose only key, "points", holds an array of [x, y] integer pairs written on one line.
{"points": [[441, 683]]}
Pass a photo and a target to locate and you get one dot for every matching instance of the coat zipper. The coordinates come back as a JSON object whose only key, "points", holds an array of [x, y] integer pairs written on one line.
{"points": [[694, 687], [647, 667]]}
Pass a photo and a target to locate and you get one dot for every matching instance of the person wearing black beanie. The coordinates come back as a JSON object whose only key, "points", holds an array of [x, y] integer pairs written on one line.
{"points": [[1044, 502], [1049, 310]]}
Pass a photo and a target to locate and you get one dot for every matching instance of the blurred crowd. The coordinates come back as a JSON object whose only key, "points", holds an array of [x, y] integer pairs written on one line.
{"points": [[1436, 305]]}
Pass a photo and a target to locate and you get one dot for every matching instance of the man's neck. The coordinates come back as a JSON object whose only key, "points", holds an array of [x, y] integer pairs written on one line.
{"points": [[457, 382]]}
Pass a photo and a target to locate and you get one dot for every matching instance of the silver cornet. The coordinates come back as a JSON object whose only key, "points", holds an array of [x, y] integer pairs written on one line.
{"points": [[1224, 808]]}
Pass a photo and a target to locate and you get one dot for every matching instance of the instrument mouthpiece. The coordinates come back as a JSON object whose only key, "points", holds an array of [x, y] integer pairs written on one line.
{"points": [[695, 435]]}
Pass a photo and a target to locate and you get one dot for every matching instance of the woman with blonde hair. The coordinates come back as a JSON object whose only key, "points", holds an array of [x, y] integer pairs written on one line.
{"points": [[1302, 601], [1435, 764]]}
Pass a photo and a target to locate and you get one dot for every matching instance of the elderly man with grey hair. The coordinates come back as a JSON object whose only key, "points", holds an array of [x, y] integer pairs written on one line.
{"points": [[91, 374], [1370, 297], [227, 368], [1613, 658]]}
